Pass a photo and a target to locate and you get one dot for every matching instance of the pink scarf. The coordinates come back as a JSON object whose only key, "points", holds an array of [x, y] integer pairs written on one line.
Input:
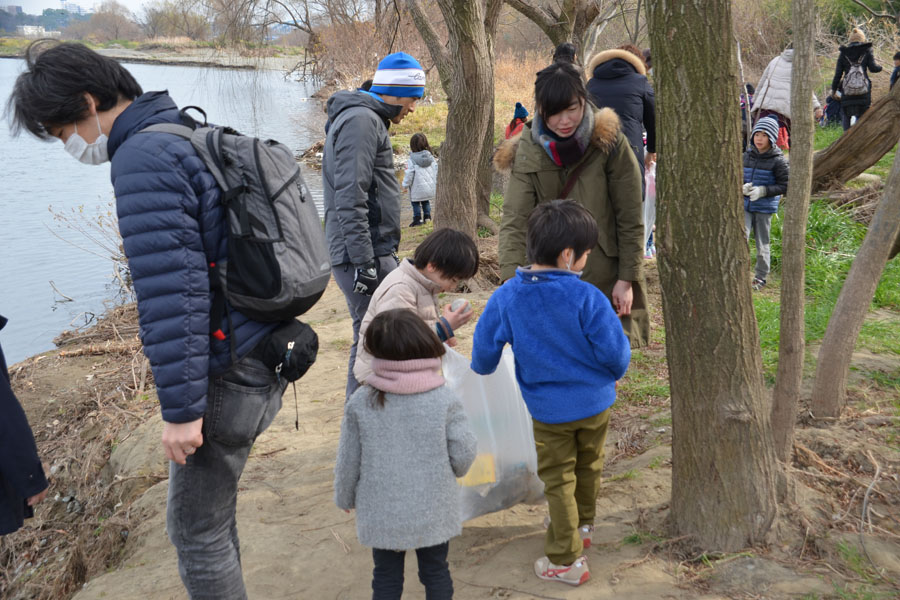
{"points": [[406, 376]]}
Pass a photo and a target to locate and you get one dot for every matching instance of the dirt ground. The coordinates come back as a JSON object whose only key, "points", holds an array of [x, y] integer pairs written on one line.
{"points": [[296, 544]]}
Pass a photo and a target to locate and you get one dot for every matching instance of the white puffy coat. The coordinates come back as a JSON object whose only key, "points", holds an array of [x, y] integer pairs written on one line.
{"points": [[421, 176], [774, 89]]}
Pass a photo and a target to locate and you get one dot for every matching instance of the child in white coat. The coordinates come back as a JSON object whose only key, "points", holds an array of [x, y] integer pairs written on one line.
{"points": [[420, 178]]}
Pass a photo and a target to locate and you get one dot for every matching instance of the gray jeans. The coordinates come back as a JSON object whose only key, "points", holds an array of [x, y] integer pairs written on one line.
{"points": [[241, 403], [761, 225], [358, 304]]}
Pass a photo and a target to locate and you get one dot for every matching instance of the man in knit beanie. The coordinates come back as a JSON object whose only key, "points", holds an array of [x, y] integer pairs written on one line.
{"points": [[765, 180], [362, 194]]}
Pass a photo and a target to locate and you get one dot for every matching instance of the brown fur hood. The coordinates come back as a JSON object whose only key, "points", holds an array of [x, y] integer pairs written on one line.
{"points": [[605, 137], [608, 55]]}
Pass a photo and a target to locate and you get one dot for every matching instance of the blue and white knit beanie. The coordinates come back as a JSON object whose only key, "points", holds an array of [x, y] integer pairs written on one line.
{"points": [[769, 126], [401, 75], [521, 111]]}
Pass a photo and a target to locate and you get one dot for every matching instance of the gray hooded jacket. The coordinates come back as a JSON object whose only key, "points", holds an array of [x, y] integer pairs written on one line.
{"points": [[362, 196]]}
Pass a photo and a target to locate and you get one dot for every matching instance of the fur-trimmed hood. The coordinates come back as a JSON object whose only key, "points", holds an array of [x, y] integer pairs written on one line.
{"points": [[605, 137], [608, 55]]}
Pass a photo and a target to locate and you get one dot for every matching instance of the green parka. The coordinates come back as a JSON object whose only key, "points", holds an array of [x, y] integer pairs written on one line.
{"points": [[609, 186]]}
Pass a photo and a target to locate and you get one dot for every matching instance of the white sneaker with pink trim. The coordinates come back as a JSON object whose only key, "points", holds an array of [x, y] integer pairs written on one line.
{"points": [[574, 574]]}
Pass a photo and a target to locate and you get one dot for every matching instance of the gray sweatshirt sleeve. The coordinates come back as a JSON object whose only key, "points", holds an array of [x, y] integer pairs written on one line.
{"points": [[346, 469], [355, 147], [461, 442]]}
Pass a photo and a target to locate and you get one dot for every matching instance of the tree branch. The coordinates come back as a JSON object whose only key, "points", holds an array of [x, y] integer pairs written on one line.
{"points": [[873, 13], [541, 17], [492, 10], [438, 53]]}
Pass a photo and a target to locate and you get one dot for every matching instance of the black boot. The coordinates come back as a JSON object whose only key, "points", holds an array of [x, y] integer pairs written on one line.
{"points": [[416, 222]]}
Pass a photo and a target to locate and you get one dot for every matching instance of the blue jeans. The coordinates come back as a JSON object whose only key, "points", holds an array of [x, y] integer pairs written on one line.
{"points": [[434, 573], [420, 209], [241, 404]]}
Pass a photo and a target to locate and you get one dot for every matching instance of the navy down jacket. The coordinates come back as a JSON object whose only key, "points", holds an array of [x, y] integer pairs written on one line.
{"points": [[769, 169], [618, 82], [172, 224]]}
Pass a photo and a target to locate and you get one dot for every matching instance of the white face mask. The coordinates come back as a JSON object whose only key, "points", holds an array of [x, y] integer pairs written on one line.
{"points": [[95, 153]]}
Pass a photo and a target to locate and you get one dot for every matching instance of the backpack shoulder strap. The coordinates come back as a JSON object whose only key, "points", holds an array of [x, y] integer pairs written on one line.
{"points": [[180, 130]]}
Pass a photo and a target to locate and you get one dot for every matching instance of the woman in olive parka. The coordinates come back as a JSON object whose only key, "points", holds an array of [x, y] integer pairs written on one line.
{"points": [[571, 144]]}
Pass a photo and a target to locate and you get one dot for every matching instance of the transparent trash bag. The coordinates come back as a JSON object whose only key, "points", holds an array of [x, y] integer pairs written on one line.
{"points": [[505, 470]]}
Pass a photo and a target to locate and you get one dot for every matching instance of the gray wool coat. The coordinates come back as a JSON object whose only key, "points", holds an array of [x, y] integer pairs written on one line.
{"points": [[397, 466]]}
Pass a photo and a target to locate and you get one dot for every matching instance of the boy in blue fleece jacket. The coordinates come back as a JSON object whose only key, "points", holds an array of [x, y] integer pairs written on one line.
{"points": [[569, 349]]}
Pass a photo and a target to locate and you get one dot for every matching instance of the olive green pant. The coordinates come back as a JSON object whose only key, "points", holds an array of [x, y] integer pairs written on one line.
{"points": [[570, 461]]}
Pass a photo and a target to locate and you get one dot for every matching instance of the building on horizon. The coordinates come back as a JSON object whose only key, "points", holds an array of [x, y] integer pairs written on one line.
{"points": [[73, 8], [36, 31], [13, 10]]}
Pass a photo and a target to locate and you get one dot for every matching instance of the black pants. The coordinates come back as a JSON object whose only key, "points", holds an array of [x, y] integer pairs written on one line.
{"points": [[853, 111], [434, 573]]}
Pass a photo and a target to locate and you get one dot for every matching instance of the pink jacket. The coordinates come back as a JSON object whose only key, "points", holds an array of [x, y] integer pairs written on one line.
{"points": [[404, 287]]}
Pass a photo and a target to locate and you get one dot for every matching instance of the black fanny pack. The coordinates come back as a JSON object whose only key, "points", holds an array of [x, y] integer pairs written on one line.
{"points": [[290, 350]]}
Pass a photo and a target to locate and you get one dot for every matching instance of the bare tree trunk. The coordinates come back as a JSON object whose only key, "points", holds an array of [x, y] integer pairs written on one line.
{"points": [[791, 348], [861, 146], [467, 78], [856, 296], [724, 466]]}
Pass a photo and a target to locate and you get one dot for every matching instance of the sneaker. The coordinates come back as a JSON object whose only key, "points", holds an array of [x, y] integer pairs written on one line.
{"points": [[574, 574], [586, 532], [416, 223], [758, 283]]}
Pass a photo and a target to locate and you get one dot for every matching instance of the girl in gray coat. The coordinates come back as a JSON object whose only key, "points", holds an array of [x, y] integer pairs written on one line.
{"points": [[420, 178], [404, 440]]}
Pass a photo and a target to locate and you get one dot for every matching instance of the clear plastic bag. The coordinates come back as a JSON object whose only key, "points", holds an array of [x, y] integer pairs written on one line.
{"points": [[505, 471], [649, 201]]}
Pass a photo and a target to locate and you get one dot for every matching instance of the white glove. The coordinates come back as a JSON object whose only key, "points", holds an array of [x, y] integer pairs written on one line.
{"points": [[756, 193], [747, 187]]}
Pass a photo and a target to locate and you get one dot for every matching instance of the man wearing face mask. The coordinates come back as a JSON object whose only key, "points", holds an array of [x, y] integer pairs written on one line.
{"points": [[172, 223]]}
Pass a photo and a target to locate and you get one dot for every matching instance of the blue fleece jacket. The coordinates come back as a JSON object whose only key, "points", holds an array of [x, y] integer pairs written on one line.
{"points": [[568, 343]]}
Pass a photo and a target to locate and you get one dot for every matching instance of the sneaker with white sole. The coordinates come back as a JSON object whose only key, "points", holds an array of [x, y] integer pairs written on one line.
{"points": [[574, 574], [586, 532]]}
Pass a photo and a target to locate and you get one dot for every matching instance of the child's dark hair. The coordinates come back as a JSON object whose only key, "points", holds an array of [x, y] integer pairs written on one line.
{"points": [[557, 87], [565, 52], [366, 85], [897, 56], [51, 91], [399, 334], [419, 142], [452, 252], [556, 225]]}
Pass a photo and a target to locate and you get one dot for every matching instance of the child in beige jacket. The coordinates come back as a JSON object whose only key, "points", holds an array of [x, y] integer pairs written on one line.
{"points": [[440, 262]]}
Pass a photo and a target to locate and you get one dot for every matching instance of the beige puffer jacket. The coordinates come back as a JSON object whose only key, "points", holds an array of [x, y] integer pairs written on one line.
{"points": [[404, 287]]}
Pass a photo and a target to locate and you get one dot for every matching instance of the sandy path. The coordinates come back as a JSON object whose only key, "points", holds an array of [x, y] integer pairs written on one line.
{"points": [[297, 544]]}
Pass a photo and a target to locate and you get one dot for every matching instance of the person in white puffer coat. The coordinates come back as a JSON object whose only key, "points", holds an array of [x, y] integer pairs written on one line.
{"points": [[420, 178], [773, 93]]}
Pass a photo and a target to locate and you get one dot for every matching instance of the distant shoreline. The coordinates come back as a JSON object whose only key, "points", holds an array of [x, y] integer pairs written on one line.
{"points": [[196, 57]]}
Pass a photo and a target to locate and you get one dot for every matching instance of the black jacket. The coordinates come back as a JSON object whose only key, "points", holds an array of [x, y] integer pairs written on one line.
{"points": [[618, 82], [852, 54], [21, 473]]}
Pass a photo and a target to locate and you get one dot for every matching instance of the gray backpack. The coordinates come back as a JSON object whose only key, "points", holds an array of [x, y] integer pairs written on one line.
{"points": [[855, 83], [278, 263]]}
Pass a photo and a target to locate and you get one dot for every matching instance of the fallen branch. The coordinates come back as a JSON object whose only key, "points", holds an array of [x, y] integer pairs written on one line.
{"points": [[99, 349]]}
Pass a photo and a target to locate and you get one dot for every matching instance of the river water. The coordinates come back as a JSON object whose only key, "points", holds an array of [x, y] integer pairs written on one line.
{"points": [[39, 183]]}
